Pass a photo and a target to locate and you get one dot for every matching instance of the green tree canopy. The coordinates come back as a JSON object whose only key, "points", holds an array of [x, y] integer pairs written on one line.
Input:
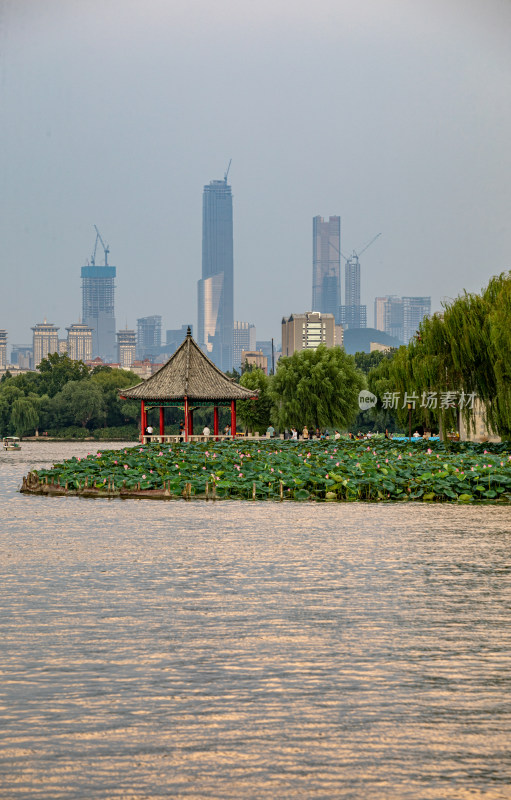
{"points": [[79, 403], [24, 415], [466, 349], [57, 370], [317, 388], [255, 414]]}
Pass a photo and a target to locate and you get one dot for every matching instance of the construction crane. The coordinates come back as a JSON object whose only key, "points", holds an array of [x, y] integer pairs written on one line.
{"points": [[227, 170], [105, 248], [355, 256]]}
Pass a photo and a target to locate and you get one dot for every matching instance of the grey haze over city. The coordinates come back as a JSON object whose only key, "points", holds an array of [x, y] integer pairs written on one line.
{"points": [[394, 115]]}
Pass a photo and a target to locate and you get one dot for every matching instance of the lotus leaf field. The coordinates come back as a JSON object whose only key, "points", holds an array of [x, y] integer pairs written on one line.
{"points": [[375, 470]]}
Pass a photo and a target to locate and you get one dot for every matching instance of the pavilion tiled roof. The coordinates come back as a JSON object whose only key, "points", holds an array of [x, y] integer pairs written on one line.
{"points": [[188, 373]]}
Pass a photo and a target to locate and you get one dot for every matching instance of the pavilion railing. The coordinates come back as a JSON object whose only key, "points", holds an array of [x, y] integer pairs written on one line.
{"points": [[155, 438]]}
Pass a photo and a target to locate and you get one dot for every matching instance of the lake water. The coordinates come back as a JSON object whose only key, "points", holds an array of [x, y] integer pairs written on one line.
{"points": [[251, 650]]}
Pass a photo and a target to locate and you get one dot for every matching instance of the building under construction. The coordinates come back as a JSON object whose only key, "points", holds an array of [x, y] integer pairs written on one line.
{"points": [[98, 289]]}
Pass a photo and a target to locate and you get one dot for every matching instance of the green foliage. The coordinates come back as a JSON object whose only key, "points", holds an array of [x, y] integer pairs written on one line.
{"points": [[57, 370], [234, 375], [24, 415], [117, 411], [312, 470], [368, 361], [255, 414], [80, 403], [467, 348], [317, 388]]}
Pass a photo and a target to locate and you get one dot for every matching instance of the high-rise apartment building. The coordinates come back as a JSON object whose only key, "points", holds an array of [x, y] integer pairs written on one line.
{"points": [[45, 340], [148, 337], [79, 342], [98, 295], [126, 348], [307, 331], [243, 338], [215, 289], [3, 349], [414, 311], [326, 265]]}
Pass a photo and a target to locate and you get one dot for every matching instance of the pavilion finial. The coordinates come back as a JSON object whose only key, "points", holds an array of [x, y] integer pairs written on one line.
{"points": [[188, 331]]}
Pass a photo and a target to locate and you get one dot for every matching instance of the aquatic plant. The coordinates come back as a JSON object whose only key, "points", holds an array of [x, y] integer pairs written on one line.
{"points": [[302, 470]]}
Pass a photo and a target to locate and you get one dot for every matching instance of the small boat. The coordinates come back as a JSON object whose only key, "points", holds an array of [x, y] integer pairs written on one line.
{"points": [[11, 443]]}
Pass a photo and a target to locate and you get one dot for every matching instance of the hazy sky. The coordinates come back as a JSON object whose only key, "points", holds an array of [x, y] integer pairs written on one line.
{"points": [[394, 114]]}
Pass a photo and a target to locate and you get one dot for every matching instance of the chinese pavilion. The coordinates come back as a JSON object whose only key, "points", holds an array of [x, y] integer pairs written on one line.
{"points": [[188, 380]]}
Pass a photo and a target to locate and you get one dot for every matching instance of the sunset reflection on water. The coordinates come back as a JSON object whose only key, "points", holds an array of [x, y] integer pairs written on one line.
{"points": [[258, 650]]}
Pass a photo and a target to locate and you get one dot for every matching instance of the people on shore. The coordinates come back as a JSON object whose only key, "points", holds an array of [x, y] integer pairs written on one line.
{"points": [[270, 431], [206, 432], [305, 432]]}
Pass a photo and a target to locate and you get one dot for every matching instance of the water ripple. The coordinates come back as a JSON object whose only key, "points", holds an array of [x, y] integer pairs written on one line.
{"points": [[228, 650]]}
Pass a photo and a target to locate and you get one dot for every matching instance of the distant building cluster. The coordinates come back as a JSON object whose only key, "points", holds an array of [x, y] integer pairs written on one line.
{"points": [[334, 319], [400, 317]]}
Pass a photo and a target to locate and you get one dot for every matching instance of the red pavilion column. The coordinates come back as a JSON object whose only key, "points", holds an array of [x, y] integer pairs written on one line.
{"points": [[142, 420], [162, 421], [186, 419], [215, 420], [233, 418], [190, 422]]}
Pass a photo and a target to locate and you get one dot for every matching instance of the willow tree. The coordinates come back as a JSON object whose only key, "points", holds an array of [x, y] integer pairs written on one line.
{"points": [[495, 389], [466, 349], [255, 414], [24, 415], [318, 388]]}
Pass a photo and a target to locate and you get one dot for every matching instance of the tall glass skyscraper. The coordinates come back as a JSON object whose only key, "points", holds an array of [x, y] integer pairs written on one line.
{"points": [[326, 265], [215, 289], [98, 290], [352, 314]]}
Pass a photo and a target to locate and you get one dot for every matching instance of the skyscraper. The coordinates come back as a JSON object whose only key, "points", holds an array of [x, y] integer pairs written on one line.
{"points": [[400, 316], [215, 289], [352, 314], [414, 311], [388, 315], [79, 342], [3, 349], [98, 304], [326, 265], [45, 341], [126, 348], [149, 337], [243, 338]]}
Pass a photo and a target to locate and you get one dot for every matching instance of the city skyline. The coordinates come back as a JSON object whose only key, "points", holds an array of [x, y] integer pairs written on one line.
{"points": [[416, 103]]}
